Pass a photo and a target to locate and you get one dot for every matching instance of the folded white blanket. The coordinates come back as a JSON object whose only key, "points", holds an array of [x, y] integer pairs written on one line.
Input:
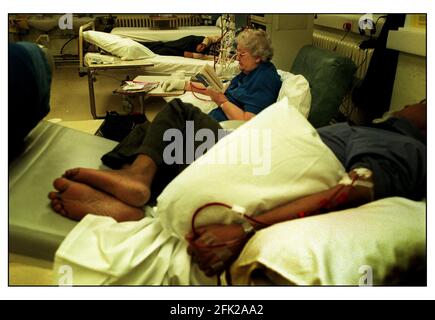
{"points": [[100, 251]]}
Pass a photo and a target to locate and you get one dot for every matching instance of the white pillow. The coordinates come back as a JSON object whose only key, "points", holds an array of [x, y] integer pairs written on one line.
{"points": [[383, 241], [124, 48], [297, 90], [292, 161]]}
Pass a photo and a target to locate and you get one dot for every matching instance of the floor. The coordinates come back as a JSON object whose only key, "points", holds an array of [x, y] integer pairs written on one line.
{"points": [[70, 98], [70, 107], [26, 271]]}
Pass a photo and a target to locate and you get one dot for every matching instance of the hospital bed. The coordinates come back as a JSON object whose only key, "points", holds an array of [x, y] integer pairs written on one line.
{"points": [[160, 64], [33, 228], [385, 239], [156, 65]]}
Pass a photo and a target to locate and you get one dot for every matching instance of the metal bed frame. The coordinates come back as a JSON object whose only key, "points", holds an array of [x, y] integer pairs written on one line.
{"points": [[91, 71], [124, 21]]}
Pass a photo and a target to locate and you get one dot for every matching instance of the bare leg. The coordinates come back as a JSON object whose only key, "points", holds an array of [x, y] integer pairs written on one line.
{"points": [[130, 184], [75, 200]]}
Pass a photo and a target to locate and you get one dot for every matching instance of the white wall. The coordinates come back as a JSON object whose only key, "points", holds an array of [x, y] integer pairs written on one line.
{"points": [[410, 82], [288, 33], [333, 23]]}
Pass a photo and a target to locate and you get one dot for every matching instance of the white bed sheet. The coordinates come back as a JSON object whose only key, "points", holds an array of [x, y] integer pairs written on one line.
{"points": [[165, 64], [147, 34], [100, 251]]}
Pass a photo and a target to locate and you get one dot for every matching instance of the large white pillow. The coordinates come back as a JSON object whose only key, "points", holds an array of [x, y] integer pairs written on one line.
{"points": [[292, 162], [297, 90], [383, 242], [124, 48]]}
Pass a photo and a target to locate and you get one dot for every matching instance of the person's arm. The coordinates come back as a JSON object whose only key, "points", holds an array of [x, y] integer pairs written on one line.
{"points": [[338, 197], [233, 237], [233, 112], [195, 87], [213, 261], [195, 55], [188, 54]]}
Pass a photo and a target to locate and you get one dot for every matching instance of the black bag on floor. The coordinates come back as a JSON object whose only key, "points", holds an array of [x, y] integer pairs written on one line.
{"points": [[117, 127]]}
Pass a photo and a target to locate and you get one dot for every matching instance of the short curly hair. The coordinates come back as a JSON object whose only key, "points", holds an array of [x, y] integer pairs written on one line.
{"points": [[257, 42]]}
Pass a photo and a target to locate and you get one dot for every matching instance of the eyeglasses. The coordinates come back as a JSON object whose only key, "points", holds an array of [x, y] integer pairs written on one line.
{"points": [[241, 54]]}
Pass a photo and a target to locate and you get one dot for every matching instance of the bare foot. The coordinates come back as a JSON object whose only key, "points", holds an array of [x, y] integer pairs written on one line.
{"points": [[129, 187], [75, 200]]}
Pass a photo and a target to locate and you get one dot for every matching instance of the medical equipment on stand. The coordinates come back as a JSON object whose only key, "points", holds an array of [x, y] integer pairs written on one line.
{"points": [[226, 54]]}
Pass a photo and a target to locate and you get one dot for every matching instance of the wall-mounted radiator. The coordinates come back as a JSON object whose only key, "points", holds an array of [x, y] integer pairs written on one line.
{"points": [[146, 21], [349, 49]]}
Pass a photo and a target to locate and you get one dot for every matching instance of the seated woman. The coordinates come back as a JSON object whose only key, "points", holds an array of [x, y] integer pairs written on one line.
{"points": [[198, 47], [141, 170]]}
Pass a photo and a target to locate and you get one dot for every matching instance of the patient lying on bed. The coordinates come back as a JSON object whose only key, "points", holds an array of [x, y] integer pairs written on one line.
{"points": [[392, 166], [198, 47], [383, 160]]}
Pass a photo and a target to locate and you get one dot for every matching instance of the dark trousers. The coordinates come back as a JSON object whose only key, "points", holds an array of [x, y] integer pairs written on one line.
{"points": [[175, 47], [148, 139]]}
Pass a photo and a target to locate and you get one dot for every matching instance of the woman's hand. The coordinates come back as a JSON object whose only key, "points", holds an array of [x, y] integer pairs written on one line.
{"points": [[216, 246], [196, 87], [216, 96]]}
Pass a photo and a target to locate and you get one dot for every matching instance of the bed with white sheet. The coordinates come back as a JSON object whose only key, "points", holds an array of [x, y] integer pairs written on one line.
{"points": [[158, 64], [33, 228], [138, 55]]}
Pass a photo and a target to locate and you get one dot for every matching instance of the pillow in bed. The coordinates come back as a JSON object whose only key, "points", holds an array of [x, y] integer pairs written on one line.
{"points": [[297, 90], [124, 48], [383, 243], [288, 161]]}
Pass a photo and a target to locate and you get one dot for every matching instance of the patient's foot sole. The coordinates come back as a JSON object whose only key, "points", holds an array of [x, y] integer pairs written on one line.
{"points": [[129, 187], [75, 200]]}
